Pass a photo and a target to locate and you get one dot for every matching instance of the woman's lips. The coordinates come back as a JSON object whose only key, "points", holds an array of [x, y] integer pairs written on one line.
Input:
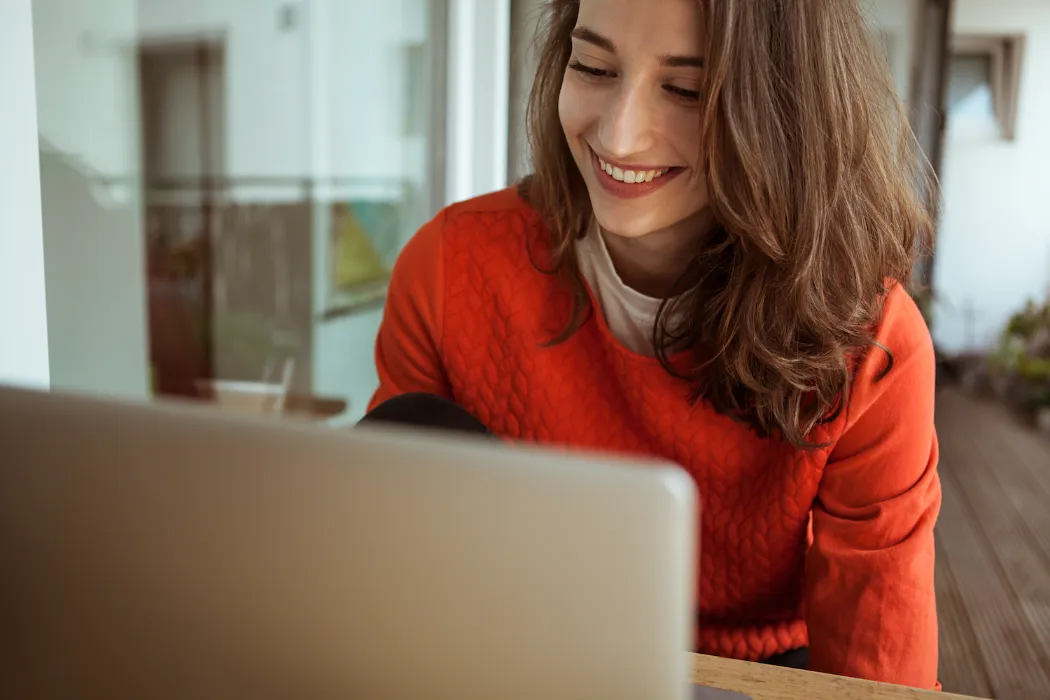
{"points": [[652, 178]]}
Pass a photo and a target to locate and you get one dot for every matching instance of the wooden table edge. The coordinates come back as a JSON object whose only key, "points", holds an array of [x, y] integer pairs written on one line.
{"points": [[764, 682]]}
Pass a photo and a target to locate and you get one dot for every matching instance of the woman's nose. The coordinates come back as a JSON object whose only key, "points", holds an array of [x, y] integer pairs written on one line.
{"points": [[627, 126]]}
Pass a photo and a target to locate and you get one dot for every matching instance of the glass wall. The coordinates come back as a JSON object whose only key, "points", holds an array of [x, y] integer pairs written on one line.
{"points": [[225, 186]]}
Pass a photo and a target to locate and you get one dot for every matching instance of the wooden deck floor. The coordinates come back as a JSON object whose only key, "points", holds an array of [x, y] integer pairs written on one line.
{"points": [[993, 552]]}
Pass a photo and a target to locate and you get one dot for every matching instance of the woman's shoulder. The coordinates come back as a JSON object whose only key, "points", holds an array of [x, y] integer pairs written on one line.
{"points": [[500, 221], [489, 214], [495, 220], [899, 365], [474, 229], [507, 201], [902, 329]]}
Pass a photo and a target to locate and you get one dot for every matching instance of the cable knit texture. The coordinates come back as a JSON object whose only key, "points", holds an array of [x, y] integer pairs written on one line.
{"points": [[832, 548]]}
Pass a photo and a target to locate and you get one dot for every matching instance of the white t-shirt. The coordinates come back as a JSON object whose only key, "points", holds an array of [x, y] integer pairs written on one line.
{"points": [[629, 314]]}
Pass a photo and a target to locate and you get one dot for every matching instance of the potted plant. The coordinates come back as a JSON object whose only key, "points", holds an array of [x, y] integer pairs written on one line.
{"points": [[1021, 364], [254, 363]]}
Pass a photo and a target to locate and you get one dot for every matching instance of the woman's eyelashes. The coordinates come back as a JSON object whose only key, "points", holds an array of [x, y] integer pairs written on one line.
{"points": [[685, 94], [590, 71], [599, 74]]}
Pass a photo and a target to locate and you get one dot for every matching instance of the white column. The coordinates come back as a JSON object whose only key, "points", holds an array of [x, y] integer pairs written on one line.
{"points": [[23, 303], [478, 97], [88, 121]]}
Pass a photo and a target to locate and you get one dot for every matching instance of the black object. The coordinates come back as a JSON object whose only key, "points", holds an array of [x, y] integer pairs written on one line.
{"points": [[796, 658], [426, 411]]}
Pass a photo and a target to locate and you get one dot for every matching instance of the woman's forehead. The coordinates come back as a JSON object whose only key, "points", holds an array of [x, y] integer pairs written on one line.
{"points": [[665, 26]]}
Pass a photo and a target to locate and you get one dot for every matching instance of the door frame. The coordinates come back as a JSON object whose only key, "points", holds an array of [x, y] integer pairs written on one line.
{"points": [[23, 295], [928, 100]]}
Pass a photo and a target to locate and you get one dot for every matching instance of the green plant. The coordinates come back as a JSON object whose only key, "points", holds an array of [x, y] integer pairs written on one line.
{"points": [[1042, 399], [1022, 356], [246, 342], [1008, 354], [1027, 322], [1034, 369]]}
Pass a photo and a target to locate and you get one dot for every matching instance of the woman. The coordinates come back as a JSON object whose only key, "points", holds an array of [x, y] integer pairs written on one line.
{"points": [[706, 266]]}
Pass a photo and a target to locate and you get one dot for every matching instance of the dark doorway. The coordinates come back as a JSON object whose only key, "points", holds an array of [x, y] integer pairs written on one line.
{"points": [[183, 98]]}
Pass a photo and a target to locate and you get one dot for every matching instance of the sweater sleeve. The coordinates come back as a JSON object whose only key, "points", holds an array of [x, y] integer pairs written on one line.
{"points": [[408, 347], [870, 603]]}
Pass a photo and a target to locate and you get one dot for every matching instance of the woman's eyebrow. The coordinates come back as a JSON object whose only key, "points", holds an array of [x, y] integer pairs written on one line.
{"points": [[682, 61], [606, 44], [593, 37]]}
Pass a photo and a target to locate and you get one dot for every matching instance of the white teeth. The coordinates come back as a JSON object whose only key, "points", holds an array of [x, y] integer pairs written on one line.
{"points": [[631, 177]]}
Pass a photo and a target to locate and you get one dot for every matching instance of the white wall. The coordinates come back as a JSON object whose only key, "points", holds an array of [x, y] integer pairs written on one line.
{"points": [[266, 128], [369, 88], [331, 87], [87, 84], [96, 306], [897, 21], [993, 249], [23, 313], [95, 269]]}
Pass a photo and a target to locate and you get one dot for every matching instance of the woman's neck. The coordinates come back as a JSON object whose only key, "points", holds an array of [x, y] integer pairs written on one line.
{"points": [[653, 263]]}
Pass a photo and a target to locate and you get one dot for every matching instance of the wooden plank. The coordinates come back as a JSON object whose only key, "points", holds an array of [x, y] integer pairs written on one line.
{"points": [[1021, 559], [1016, 471], [1006, 641], [1032, 507], [1002, 469], [762, 682], [1022, 448], [1038, 614], [1022, 563], [962, 667], [1011, 455]]}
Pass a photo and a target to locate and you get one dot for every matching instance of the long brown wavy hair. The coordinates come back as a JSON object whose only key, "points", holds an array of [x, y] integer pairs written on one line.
{"points": [[820, 192]]}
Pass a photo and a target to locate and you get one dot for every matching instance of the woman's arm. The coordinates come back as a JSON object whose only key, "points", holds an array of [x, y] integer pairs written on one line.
{"points": [[408, 348], [871, 610]]}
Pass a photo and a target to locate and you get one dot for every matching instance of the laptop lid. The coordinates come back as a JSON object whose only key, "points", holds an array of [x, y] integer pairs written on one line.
{"points": [[162, 551]]}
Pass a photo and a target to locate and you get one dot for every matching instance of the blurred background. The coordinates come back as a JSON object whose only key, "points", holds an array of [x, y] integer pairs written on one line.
{"points": [[225, 184]]}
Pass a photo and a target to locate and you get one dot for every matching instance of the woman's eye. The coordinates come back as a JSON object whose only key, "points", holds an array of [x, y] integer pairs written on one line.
{"points": [[589, 71], [691, 95]]}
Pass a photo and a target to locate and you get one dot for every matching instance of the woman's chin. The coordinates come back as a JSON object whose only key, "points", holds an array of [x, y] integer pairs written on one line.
{"points": [[624, 225]]}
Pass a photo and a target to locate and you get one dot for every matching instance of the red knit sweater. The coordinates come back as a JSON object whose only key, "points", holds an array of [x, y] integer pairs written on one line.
{"points": [[466, 318]]}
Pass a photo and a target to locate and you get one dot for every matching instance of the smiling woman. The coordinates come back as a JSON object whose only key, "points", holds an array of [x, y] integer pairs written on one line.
{"points": [[631, 116], [707, 265]]}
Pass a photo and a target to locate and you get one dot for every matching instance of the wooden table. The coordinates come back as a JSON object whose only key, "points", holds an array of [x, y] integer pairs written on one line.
{"points": [[773, 683]]}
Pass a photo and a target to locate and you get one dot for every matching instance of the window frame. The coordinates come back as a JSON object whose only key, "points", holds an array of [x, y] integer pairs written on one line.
{"points": [[1005, 53]]}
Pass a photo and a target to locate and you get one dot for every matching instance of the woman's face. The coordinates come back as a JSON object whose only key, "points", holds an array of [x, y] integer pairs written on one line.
{"points": [[630, 106]]}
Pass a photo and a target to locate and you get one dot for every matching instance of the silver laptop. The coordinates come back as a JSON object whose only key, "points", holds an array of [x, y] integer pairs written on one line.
{"points": [[174, 552]]}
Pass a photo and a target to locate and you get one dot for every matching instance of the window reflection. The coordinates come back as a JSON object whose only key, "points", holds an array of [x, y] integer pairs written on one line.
{"points": [[226, 185]]}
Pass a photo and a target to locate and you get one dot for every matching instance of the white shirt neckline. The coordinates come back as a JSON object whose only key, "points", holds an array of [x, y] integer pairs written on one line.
{"points": [[629, 314]]}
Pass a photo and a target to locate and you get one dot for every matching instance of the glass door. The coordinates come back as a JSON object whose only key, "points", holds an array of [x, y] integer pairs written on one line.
{"points": [[225, 187]]}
